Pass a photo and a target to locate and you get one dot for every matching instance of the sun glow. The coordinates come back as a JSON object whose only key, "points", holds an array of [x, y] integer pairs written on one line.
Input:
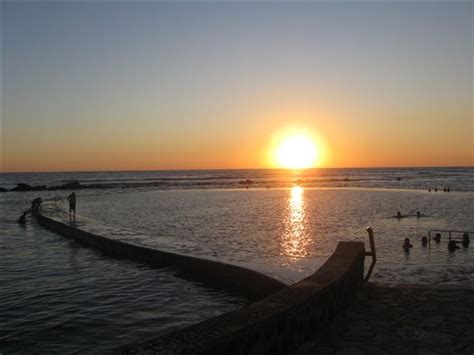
{"points": [[297, 151]]}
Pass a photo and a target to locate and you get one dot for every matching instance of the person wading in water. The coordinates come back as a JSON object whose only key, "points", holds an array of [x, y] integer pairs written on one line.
{"points": [[72, 205]]}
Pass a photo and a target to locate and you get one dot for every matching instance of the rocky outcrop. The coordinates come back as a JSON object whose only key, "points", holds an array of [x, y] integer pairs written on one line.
{"points": [[26, 187]]}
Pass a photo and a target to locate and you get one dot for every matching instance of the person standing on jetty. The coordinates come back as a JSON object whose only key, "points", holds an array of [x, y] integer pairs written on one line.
{"points": [[72, 205]]}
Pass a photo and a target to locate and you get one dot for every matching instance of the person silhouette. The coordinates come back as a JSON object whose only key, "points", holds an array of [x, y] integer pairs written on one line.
{"points": [[407, 245], [424, 241], [452, 245], [22, 220], [465, 240], [72, 205], [36, 204]]}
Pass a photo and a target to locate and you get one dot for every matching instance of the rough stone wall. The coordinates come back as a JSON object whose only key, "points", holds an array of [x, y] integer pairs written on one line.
{"points": [[231, 278], [276, 324]]}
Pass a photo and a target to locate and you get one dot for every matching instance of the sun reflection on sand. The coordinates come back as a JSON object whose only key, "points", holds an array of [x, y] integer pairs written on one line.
{"points": [[295, 239]]}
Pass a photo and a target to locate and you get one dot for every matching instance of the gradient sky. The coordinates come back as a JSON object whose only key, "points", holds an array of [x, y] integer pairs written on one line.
{"points": [[125, 86]]}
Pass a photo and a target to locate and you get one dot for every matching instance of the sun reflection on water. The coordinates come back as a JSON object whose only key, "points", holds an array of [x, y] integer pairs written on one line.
{"points": [[295, 239]]}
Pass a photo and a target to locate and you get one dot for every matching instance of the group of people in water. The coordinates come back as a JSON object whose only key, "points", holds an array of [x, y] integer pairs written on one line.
{"points": [[399, 215], [36, 207], [452, 244], [445, 189]]}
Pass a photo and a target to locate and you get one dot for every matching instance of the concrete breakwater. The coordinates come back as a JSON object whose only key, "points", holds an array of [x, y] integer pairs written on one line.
{"points": [[235, 279], [278, 322]]}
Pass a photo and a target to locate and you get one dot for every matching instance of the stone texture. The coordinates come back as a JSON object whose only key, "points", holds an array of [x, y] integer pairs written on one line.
{"points": [[280, 323], [388, 320]]}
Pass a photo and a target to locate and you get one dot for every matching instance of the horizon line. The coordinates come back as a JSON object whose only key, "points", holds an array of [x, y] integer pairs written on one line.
{"points": [[234, 169]]}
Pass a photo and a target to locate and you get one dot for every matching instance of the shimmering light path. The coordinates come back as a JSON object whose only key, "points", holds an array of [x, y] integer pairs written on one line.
{"points": [[288, 233]]}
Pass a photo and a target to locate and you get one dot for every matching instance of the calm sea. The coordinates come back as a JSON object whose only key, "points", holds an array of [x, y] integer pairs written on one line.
{"points": [[459, 179], [58, 297]]}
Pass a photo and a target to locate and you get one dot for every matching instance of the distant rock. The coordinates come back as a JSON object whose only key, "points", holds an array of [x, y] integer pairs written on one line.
{"points": [[26, 187], [3, 189], [246, 182], [22, 187], [72, 185]]}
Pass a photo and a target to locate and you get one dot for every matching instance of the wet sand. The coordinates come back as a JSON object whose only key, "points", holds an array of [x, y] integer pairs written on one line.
{"points": [[406, 319]]}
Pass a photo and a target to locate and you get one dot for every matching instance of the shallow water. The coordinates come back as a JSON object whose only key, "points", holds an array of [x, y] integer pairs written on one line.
{"points": [[288, 233], [59, 297]]}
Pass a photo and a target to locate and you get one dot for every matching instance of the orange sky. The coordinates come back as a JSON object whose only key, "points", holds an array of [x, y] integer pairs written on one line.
{"points": [[204, 86]]}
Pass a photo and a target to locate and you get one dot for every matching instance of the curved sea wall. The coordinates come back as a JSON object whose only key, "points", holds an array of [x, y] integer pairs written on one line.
{"points": [[276, 324], [232, 278], [281, 319]]}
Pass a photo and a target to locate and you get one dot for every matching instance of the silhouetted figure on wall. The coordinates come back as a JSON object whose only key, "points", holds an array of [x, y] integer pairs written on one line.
{"points": [[399, 215], [424, 241], [36, 204], [22, 220], [437, 238], [418, 214], [72, 205]]}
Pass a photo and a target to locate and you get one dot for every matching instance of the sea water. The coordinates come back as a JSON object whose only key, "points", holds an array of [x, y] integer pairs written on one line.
{"points": [[57, 296], [289, 232]]}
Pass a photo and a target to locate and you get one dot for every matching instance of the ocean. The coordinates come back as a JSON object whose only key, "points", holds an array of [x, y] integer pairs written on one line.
{"points": [[57, 296]]}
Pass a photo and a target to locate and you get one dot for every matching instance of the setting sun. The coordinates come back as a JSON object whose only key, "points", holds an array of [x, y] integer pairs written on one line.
{"points": [[297, 152]]}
